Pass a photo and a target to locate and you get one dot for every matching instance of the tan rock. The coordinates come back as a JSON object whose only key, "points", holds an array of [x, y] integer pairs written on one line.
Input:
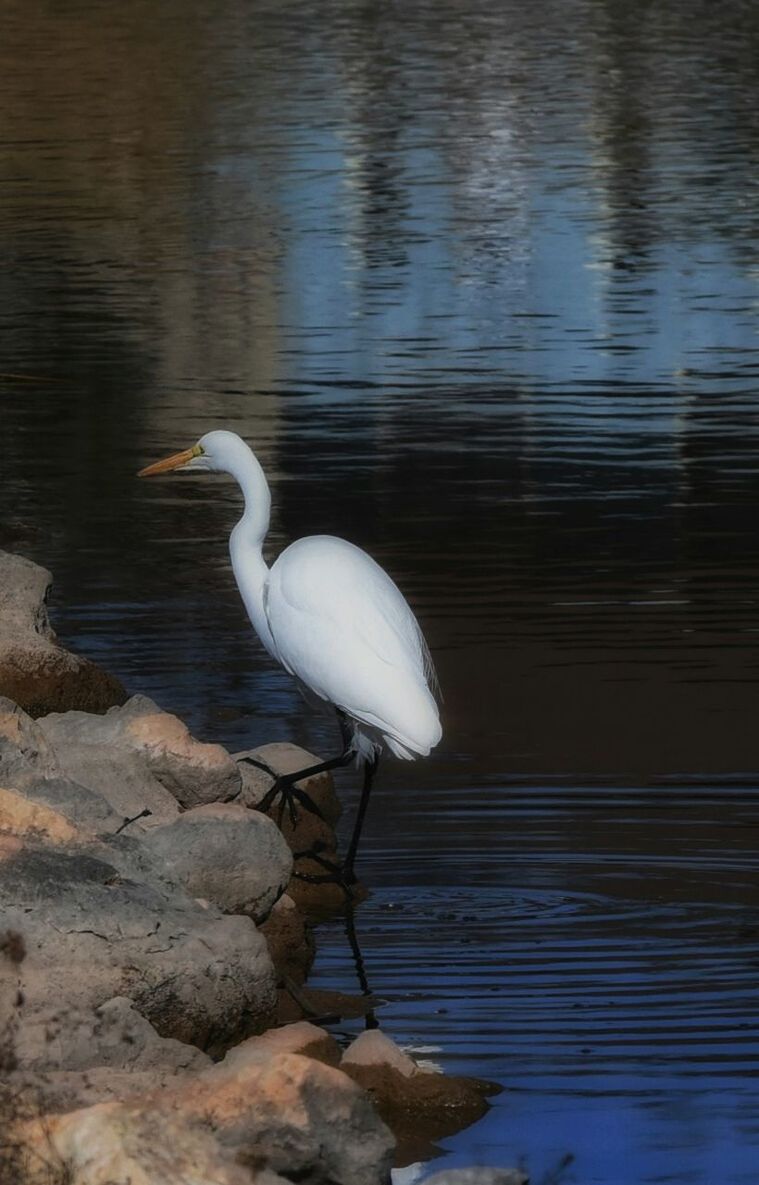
{"points": [[272, 1113], [35, 671], [10, 847], [303, 1038], [373, 1048], [116, 1144], [194, 772], [159, 745], [419, 1105], [304, 1119], [35, 821]]}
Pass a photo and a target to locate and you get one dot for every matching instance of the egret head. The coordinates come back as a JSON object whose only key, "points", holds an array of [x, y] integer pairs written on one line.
{"points": [[216, 452]]}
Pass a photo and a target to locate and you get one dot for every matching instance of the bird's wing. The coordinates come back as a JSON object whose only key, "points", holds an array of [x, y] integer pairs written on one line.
{"points": [[344, 629], [326, 582]]}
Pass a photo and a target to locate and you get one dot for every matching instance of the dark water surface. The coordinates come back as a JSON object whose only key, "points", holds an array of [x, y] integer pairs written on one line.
{"points": [[481, 285]]}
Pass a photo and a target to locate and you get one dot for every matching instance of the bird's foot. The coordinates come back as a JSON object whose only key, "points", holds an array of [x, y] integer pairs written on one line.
{"points": [[289, 794], [283, 787]]}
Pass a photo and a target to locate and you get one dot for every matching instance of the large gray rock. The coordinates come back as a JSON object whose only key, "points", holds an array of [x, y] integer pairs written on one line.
{"points": [[227, 854], [120, 777], [275, 1104], [86, 809], [148, 752], [113, 1035], [114, 783], [35, 671], [70, 1058], [94, 929]]}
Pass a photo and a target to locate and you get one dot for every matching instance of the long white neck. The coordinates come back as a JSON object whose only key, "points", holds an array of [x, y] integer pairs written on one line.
{"points": [[246, 542]]}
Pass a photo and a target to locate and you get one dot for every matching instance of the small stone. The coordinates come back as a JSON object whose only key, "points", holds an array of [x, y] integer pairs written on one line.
{"points": [[373, 1048], [302, 1038], [417, 1104]]}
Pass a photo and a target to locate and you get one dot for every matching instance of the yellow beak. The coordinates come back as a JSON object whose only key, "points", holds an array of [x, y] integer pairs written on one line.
{"points": [[175, 461]]}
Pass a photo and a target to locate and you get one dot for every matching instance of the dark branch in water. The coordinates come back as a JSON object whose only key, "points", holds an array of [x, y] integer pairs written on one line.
{"points": [[142, 815], [554, 1176]]}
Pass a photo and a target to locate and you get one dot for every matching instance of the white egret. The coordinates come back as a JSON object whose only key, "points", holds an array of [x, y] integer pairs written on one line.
{"points": [[335, 621]]}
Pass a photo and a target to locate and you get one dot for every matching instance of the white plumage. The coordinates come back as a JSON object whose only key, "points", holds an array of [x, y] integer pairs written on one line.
{"points": [[332, 617], [343, 629]]}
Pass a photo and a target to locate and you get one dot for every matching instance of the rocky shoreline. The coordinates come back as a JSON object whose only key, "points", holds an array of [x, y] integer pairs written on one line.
{"points": [[155, 941]]}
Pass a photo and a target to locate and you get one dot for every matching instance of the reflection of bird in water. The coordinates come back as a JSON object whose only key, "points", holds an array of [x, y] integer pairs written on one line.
{"points": [[336, 622]]}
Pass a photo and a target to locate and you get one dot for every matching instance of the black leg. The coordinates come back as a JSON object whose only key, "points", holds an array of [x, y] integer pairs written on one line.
{"points": [[343, 875], [370, 770], [371, 1021], [284, 786]]}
